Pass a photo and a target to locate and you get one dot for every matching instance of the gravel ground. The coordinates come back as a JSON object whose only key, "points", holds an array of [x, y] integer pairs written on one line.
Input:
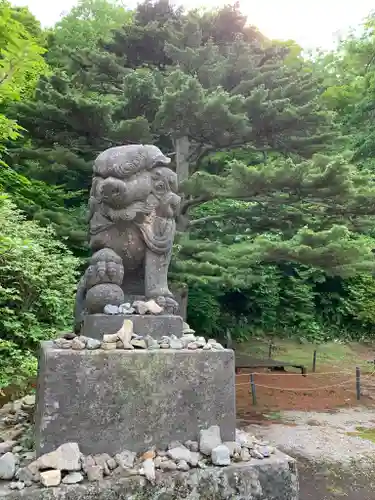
{"points": [[331, 464], [322, 436]]}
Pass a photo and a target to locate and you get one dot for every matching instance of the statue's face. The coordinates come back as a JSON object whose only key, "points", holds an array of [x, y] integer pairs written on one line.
{"points": [[164, 188]]}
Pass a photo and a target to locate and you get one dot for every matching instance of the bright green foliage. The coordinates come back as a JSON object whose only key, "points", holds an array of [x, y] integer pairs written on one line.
{"points": [[87, 23], [37, 283]]}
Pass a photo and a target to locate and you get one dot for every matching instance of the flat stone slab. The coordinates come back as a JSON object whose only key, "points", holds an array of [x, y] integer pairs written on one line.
{"points": [[97, 325], [273, 478], [109, 401]]}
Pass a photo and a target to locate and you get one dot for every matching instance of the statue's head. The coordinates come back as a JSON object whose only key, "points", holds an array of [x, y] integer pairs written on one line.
{"points": [[124, 161], [135, 181]]}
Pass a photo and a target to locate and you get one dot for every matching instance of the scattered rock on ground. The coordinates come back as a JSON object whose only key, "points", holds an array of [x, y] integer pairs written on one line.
{"points": [[7, 466], [149, 469], [220, 455], [50, 478], [209, 439], [73, 478], [65, 457]]}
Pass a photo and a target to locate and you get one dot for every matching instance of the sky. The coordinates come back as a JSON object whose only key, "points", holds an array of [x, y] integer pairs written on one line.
{"points": [[312, 23]]}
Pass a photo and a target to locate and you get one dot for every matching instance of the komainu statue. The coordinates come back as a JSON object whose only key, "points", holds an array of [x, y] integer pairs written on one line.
{"points": [[132, 211]]}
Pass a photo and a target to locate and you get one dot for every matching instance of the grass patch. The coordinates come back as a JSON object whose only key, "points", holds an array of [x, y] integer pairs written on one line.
{"points": [[332, 354], [364, 433]]}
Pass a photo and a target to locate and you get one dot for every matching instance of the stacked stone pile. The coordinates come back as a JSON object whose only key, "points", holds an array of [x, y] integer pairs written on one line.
{"points": [[67, 465], [125, 338]]}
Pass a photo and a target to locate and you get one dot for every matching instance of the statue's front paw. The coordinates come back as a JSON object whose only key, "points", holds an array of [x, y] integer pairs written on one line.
{"points": [[168, 303]]}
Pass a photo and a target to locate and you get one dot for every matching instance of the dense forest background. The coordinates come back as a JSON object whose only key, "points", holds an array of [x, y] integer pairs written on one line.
{"points": [[274, 149]]}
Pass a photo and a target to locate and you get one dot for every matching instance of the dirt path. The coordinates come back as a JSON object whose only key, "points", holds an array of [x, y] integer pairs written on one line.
{"points": [[333, 463]]}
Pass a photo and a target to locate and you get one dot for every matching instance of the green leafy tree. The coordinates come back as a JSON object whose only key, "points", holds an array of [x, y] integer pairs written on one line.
{"points": [[87, 23], [37, 282]]}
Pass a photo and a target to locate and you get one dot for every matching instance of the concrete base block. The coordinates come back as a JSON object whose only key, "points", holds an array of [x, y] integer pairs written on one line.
{"points": [[109, 401], [273, 478], [97, 325]]}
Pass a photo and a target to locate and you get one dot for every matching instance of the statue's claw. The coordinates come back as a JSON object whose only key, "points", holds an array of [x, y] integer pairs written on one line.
{"points": [[168, 303]]}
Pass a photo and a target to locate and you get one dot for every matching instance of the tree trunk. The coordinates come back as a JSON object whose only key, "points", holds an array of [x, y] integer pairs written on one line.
{"points": [[182, 146]]}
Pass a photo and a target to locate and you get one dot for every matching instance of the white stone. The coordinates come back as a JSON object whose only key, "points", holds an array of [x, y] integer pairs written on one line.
{"points": [[180, 453], [176, 344], [183, 465], [193, 346], [209, 439], [125, 459], [220, 455], [7, 446], [109, 346], [50, 478], [125, 334], [7, 466], [110, 337], [200, 341], [148, 467], [140, 307], [66, 457], [153, 307], [73, 478]]}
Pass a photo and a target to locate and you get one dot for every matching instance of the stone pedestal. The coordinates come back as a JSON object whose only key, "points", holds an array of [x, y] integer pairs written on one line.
{"points": [[108, 401], [97, 325], [273, 478]]}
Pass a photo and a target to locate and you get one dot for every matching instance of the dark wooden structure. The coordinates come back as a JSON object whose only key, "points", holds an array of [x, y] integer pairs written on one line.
{"points": [[246, 361]]}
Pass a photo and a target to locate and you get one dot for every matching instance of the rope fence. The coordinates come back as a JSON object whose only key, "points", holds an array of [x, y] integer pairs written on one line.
{"points": [[355, 380]]}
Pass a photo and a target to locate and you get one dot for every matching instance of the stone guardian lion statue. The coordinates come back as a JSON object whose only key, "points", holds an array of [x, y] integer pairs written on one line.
{"points": [[133, 207]]}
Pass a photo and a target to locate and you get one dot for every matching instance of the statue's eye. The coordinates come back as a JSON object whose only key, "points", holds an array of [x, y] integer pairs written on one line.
{"points": [[159, 185]]}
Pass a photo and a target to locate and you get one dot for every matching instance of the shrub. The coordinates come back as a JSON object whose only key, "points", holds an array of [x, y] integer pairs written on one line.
{"points": [[37, 284]]}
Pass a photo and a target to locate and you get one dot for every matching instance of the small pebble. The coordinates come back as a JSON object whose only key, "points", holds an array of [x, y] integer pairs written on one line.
{"points": [[50, 478], [176, 344], [78, 344], [19, 485], [183, 465], [192, 445], [220, 455], [168, 465], [93, 344], [193, 346], [139, 343], [94, 473], [148, 467], [111, 309], [73, 478], [110, 338]]}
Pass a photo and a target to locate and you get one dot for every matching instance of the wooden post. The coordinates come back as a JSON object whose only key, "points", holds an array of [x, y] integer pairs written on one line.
{"points": [[358, 382], [253, 390], [270, 350], [314, 362]]}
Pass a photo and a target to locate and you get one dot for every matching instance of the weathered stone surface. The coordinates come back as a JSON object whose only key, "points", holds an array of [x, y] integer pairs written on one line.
{"points": [[65, 457], [133, 206], [50, 478], [146, 398], [97, 325], [73, 478], [220, 455], [273, 478], [209, 439], [7, 466]]}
